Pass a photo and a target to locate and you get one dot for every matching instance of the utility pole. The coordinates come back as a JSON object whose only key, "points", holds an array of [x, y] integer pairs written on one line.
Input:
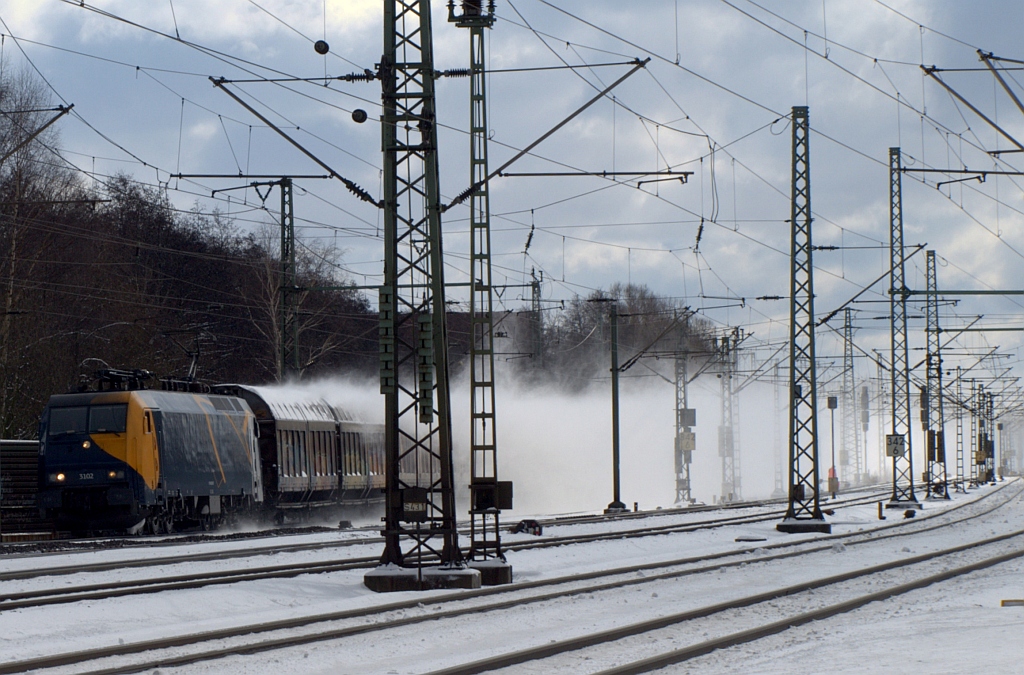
{"points": [[616, 505], [865, 418], [935, 425], [804, 511], [880, 399], [849, 450], [488, 495], [686, 417], [1003, 448], [898, 444], [833, 477], [419, 520]]}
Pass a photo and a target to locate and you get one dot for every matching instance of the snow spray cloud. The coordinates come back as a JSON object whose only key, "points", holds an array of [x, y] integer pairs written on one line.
{"points": [[556, 447]]}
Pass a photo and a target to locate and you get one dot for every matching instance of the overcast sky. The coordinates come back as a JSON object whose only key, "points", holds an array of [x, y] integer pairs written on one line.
{"points": [[723, 77]]}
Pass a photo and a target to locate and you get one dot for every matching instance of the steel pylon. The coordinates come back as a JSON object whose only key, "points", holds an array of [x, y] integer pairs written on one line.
{"points": [[804, 511], [727, 431], [935, 425], [976, 444], [685, 442], [898, 443], [487, 495], [959, 484], [419, 521], [288, 305]]}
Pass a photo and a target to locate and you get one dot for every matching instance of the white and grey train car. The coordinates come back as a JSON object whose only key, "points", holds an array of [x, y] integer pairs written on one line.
{"points": [[315, 455]]}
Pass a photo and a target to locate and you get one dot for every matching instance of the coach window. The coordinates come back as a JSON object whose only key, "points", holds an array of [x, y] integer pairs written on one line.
{"points": [[351, 461], [331, 469], [317, 454], [318, 443], [285, 450]]}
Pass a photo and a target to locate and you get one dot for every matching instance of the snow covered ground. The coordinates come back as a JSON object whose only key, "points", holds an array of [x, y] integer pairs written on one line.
{"points": [[948, 627]]}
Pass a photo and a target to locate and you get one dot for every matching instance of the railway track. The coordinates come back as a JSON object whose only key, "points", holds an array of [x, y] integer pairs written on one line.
{"points": [[789, 615], [101, 591], [84, 545], [317, 546], [267, 636]]}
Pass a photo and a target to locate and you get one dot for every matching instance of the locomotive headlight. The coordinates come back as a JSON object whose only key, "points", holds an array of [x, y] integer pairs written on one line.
{"points": [[60, 477], [115, 474], [86, 444]]}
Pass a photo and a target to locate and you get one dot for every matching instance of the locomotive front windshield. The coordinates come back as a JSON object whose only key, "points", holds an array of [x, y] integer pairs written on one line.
{"points": [[109, 419], [96, 419], [68, 420]]}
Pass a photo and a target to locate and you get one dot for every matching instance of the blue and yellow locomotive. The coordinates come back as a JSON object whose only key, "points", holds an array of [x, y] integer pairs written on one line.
{"points": [[118, 460], [131, 459]]}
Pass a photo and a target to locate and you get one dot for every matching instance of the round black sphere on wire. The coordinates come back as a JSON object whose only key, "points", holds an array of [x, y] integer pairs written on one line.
{"points": [[358, 116], [321, 47]]}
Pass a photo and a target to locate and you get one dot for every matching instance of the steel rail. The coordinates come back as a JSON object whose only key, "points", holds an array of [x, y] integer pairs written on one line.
{"points": [[743, 637], [24, 599], [291, 548], [43, 597], [81, 545], [265, 645], [680, 655]]}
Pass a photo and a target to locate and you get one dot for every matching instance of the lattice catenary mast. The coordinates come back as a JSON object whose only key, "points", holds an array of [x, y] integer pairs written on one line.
{"points": [[289, 310], [419, 519], [727, 449], [804, 512], [487, 495], [935, 426], [686, 417], [898, 444]]}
